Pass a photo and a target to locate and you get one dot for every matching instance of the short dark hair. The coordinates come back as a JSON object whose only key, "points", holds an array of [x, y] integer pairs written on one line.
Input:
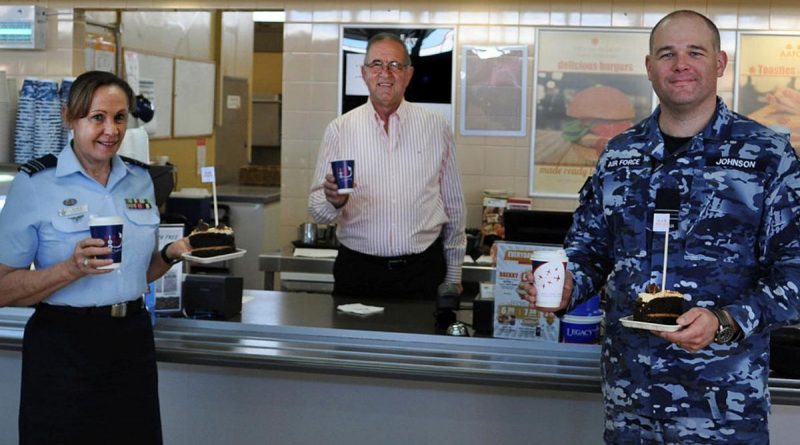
{"points": [[688, 12], [381, 36], [82, 90]]}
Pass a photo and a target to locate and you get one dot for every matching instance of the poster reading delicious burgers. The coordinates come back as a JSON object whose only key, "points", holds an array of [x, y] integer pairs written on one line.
{"points": [[768, 89], [590, 85]]}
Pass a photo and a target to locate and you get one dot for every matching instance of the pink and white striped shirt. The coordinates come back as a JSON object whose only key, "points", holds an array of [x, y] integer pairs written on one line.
{"points": [[407, 184]]}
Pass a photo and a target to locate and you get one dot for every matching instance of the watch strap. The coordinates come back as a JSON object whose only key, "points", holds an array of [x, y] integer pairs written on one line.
{"points": [[167, 259]]}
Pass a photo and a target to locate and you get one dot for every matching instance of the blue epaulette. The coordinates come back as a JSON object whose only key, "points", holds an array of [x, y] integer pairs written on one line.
{"points": [[132, 161], [39, 164]]}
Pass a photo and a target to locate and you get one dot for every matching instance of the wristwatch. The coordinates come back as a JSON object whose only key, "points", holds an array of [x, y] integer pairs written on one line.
{"points": [[166, 258], [725, 332]]}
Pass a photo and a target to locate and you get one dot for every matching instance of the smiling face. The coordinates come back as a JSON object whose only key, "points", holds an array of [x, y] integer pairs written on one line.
{"points": [[98, 135], [684, 63], [386, 88]]}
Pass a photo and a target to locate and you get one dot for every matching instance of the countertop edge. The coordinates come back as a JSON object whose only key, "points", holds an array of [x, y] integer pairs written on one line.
{"points": [[492, 362]]}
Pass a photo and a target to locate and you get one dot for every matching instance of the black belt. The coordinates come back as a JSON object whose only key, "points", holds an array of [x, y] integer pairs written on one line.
{"points": [[393, 262], [119, 310]]}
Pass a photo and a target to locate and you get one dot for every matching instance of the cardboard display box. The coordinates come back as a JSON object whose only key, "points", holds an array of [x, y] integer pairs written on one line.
{"points": [[512, 316]]}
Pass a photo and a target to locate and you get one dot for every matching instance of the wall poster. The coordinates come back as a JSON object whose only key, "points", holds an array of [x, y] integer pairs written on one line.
{"points": [[589, 86], [494, 83], [767, 87], [431, 51]]}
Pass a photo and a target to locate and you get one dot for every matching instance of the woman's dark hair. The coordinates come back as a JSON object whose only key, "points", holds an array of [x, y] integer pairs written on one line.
{"points": [[83, 88]]}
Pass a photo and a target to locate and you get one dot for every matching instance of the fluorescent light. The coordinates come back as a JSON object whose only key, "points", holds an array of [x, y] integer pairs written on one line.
{"points": [[269, 16]]}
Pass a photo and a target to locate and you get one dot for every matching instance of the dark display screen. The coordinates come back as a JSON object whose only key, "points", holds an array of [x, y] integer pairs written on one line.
{"points": [[431, 51]]}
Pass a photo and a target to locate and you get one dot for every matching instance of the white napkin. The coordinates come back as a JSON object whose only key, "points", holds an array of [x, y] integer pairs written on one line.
{"points": [[359, 309], [315, 253], [484, 259]]}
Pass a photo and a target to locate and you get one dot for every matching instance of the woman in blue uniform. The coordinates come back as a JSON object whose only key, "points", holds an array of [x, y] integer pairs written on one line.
{"points": [[88, 358]]}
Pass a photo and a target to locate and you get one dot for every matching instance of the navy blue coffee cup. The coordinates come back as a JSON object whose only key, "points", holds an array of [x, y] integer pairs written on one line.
{"points": [[344, 171], [108, 229]]}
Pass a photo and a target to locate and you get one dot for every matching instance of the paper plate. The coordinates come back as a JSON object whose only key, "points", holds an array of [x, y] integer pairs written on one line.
{"points": [[214, 259], [629, 322]]}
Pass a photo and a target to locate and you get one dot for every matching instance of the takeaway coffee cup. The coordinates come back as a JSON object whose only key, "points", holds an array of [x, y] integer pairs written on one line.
{"points": [[108, 229], [549, 271], [344, 171]]}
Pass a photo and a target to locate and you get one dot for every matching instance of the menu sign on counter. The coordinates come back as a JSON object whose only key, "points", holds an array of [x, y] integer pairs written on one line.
{"points": [[590, 85], [767, 88], [168, 288], [513, 318]]}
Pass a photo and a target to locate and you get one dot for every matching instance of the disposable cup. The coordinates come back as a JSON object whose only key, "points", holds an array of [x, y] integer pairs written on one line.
{"points": [[549, 271], [108, 229], [344, 171]]}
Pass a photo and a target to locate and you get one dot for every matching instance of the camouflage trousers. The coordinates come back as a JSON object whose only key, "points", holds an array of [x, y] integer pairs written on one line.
{"points": [[623, 428]]}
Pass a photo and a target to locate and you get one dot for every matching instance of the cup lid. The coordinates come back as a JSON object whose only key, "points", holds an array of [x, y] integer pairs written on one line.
{"points": [[549, 255], [581, 319], [104, 220]]}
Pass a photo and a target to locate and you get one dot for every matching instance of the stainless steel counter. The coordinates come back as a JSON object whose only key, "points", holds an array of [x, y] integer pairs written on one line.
{"points": [[304, 332]]}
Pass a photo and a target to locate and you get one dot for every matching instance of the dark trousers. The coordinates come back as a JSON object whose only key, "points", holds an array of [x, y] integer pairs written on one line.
{"points": [[89, 379], [414, 276]]}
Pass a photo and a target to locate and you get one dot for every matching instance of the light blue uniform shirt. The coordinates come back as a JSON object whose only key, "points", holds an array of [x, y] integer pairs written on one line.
{"points": [[47, 213]]}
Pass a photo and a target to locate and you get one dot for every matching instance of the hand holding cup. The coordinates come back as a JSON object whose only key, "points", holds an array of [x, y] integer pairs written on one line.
{"points": [[344, 172], [331, 191], [548, 286], [108, 229]]}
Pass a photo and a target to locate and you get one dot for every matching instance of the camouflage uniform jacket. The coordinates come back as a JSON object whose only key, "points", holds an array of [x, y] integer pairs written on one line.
{"points": [[735, 245]]}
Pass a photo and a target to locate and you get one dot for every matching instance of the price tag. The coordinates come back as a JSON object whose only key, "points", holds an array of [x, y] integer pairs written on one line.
{"points": [[207, 174], [661, 222]]}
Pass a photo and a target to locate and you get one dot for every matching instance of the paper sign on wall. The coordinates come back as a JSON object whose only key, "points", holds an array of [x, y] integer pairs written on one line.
{"points": [[207, 174]]}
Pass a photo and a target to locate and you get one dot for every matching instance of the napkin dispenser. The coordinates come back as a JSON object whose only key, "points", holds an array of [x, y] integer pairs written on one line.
{"points": [[212, 296]]}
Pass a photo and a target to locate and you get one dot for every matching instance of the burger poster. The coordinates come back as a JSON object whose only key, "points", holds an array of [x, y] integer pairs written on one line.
{"points": [[767, 87], [590, 85]]}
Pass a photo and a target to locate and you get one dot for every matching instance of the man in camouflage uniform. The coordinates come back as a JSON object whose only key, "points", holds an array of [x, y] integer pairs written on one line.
{"points": [[734, 249]]}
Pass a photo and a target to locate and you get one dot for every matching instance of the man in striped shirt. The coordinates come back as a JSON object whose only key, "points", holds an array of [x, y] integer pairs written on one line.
{"points": [[402, 229]]}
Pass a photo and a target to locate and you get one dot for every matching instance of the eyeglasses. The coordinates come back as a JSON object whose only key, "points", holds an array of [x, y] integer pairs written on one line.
{"points": [[376, 66]]}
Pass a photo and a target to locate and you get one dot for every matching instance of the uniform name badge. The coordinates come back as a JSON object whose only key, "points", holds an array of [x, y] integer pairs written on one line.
{"points": [[74, 211]]}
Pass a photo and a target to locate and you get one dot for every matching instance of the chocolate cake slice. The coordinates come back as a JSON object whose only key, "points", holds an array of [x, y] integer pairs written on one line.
{"points": [[662, 307], [212, 241]]}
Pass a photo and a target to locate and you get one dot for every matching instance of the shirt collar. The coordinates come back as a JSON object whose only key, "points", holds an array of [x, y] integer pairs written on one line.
{"points": [[400, 113], [68, 164], [718, 128]]}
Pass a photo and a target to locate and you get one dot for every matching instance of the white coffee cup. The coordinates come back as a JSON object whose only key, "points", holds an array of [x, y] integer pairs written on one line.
{"points": [[549, 269]]}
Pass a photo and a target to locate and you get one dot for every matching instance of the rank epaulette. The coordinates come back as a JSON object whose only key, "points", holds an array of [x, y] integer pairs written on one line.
{"points": [[135, 162], [39, 164]]}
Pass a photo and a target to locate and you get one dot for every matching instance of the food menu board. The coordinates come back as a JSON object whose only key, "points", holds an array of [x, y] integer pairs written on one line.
{"points": [[589, 86], [768, 89]]}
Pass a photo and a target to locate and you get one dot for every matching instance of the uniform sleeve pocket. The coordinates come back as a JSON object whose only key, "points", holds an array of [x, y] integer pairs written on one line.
{"points": [[68, 225], [142, 217]]}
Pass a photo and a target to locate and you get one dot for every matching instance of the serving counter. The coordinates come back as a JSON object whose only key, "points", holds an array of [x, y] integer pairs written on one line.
{"points": [[294, 368]]}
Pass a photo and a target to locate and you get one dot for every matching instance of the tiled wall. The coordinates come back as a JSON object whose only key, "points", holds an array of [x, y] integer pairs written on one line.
{"points": [[310, 66], [311, 53]]}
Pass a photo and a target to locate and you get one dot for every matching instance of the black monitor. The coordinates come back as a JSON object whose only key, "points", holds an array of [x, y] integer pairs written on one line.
{"points": [[537, 226]]}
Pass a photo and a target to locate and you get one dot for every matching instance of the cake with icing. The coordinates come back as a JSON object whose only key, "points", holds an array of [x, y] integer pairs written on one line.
{"points": [[662, 307], [210, 241]]}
